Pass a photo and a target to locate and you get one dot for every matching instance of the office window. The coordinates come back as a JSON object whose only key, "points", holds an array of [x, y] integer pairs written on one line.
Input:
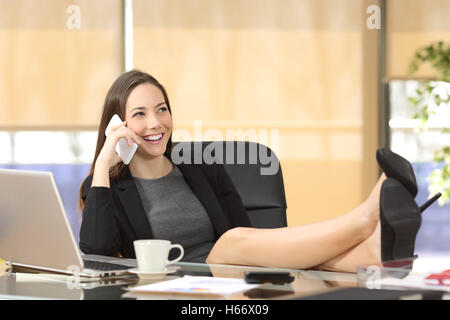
{"points": [[423, 23], [418, 147]]}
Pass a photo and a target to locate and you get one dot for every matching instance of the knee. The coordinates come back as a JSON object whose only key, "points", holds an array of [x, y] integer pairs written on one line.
{"points": [[237, 234], [228, 246]]}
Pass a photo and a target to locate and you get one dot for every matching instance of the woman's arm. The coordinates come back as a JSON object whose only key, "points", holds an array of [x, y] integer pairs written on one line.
{"points": [[100, 177], [99, 232]]}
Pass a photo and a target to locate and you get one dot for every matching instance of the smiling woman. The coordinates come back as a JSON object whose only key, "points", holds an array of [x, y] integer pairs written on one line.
{"points": [[144, 187]]}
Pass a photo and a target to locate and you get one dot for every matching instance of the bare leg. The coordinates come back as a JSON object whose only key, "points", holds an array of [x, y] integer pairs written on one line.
{"points": [[367, 252], [299, 247]]}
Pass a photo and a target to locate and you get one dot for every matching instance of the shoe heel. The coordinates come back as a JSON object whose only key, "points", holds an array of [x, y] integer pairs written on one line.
{"points": [[405, 238], [430, 202]]}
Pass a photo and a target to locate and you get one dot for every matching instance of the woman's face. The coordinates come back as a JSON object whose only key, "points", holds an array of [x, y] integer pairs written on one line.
{"points": [[148, 116]]}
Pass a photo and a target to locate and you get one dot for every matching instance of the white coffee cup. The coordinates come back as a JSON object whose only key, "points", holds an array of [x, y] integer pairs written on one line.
{"points": [[152, 255]]}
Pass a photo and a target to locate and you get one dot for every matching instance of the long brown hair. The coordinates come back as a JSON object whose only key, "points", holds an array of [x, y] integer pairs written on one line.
{"points": [[115, 103]]}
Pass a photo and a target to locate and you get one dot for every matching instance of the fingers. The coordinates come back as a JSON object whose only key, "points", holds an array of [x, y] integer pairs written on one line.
{"points": [[133, 138], [108, 155], [121, 131], [130, 136], [117, 126]]}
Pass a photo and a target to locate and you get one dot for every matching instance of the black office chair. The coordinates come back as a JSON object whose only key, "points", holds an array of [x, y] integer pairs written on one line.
{"points": [[255, 171]]}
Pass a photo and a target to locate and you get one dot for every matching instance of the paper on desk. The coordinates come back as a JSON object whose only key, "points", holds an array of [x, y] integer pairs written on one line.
{"points": [[196, 286]]}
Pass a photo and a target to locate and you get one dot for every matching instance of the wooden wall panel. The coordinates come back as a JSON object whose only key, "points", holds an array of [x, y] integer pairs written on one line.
{"points": [[52, 76]]}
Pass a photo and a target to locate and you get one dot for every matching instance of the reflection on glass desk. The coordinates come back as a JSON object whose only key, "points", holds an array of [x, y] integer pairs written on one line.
{"points": [[19, 285]]}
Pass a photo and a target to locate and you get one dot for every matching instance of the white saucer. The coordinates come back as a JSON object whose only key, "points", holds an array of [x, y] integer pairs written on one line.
{"points": [[153, 274]]}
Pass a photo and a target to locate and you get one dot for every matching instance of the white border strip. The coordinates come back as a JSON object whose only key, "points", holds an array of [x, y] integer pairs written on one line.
{"points": [[128, 34]]}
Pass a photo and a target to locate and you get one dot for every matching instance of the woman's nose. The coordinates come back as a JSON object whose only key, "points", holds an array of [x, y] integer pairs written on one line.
{"points": [[153, 122]]}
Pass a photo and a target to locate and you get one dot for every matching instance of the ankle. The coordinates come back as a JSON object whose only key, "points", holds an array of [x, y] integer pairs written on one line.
{"points": [[366, 220]]}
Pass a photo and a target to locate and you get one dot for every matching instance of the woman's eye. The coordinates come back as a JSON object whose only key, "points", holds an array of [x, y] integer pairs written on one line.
{"points": [[138, 114], [162, 109]]}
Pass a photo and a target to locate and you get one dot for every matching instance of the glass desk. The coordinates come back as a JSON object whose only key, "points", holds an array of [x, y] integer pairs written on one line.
{"points": [[19, 285]]}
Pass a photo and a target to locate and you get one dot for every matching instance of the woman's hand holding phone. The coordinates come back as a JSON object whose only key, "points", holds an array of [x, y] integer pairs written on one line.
{"points": [[108, 156], [115, 134]]}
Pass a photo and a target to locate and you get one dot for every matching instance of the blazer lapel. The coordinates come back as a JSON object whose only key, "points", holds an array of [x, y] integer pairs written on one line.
{"points": [[131, 202], [201, 187]]}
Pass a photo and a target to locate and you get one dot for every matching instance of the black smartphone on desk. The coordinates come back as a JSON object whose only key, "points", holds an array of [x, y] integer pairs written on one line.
{"points": [[275, 277], [258, 293]]}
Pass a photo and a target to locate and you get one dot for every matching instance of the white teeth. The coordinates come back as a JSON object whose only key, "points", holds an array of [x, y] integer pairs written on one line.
{"points": [[157, 137]]}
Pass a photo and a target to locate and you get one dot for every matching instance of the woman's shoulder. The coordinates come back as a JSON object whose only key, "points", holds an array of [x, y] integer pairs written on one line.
{"points": [[87, 181], [122, 175]]}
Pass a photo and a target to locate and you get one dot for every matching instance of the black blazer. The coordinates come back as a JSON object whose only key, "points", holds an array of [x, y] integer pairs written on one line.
{"points": [[114, 217]]}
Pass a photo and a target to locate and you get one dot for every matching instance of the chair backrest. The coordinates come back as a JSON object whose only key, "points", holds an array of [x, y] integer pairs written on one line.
{"points": [[255, 171]]}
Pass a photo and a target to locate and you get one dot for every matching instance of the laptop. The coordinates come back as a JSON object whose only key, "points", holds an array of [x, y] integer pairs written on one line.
{"points": [[35, 232]]}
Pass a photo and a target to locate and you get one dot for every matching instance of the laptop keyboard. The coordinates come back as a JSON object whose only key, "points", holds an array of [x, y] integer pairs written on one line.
{"points": [[104, 266]]}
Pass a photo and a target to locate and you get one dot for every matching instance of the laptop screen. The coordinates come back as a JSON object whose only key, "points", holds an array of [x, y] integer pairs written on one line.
{"points": [[34, 230]]}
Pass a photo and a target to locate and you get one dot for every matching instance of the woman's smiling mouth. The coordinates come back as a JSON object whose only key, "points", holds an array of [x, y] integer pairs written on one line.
{"points": [[154, 138]]}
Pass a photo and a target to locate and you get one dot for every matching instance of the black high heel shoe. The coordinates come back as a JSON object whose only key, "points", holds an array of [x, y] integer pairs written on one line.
{"points": [[400, 219], [397, 167]]}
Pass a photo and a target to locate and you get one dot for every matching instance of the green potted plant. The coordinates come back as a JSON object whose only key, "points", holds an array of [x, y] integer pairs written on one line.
{"points": [[430, 98]]}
